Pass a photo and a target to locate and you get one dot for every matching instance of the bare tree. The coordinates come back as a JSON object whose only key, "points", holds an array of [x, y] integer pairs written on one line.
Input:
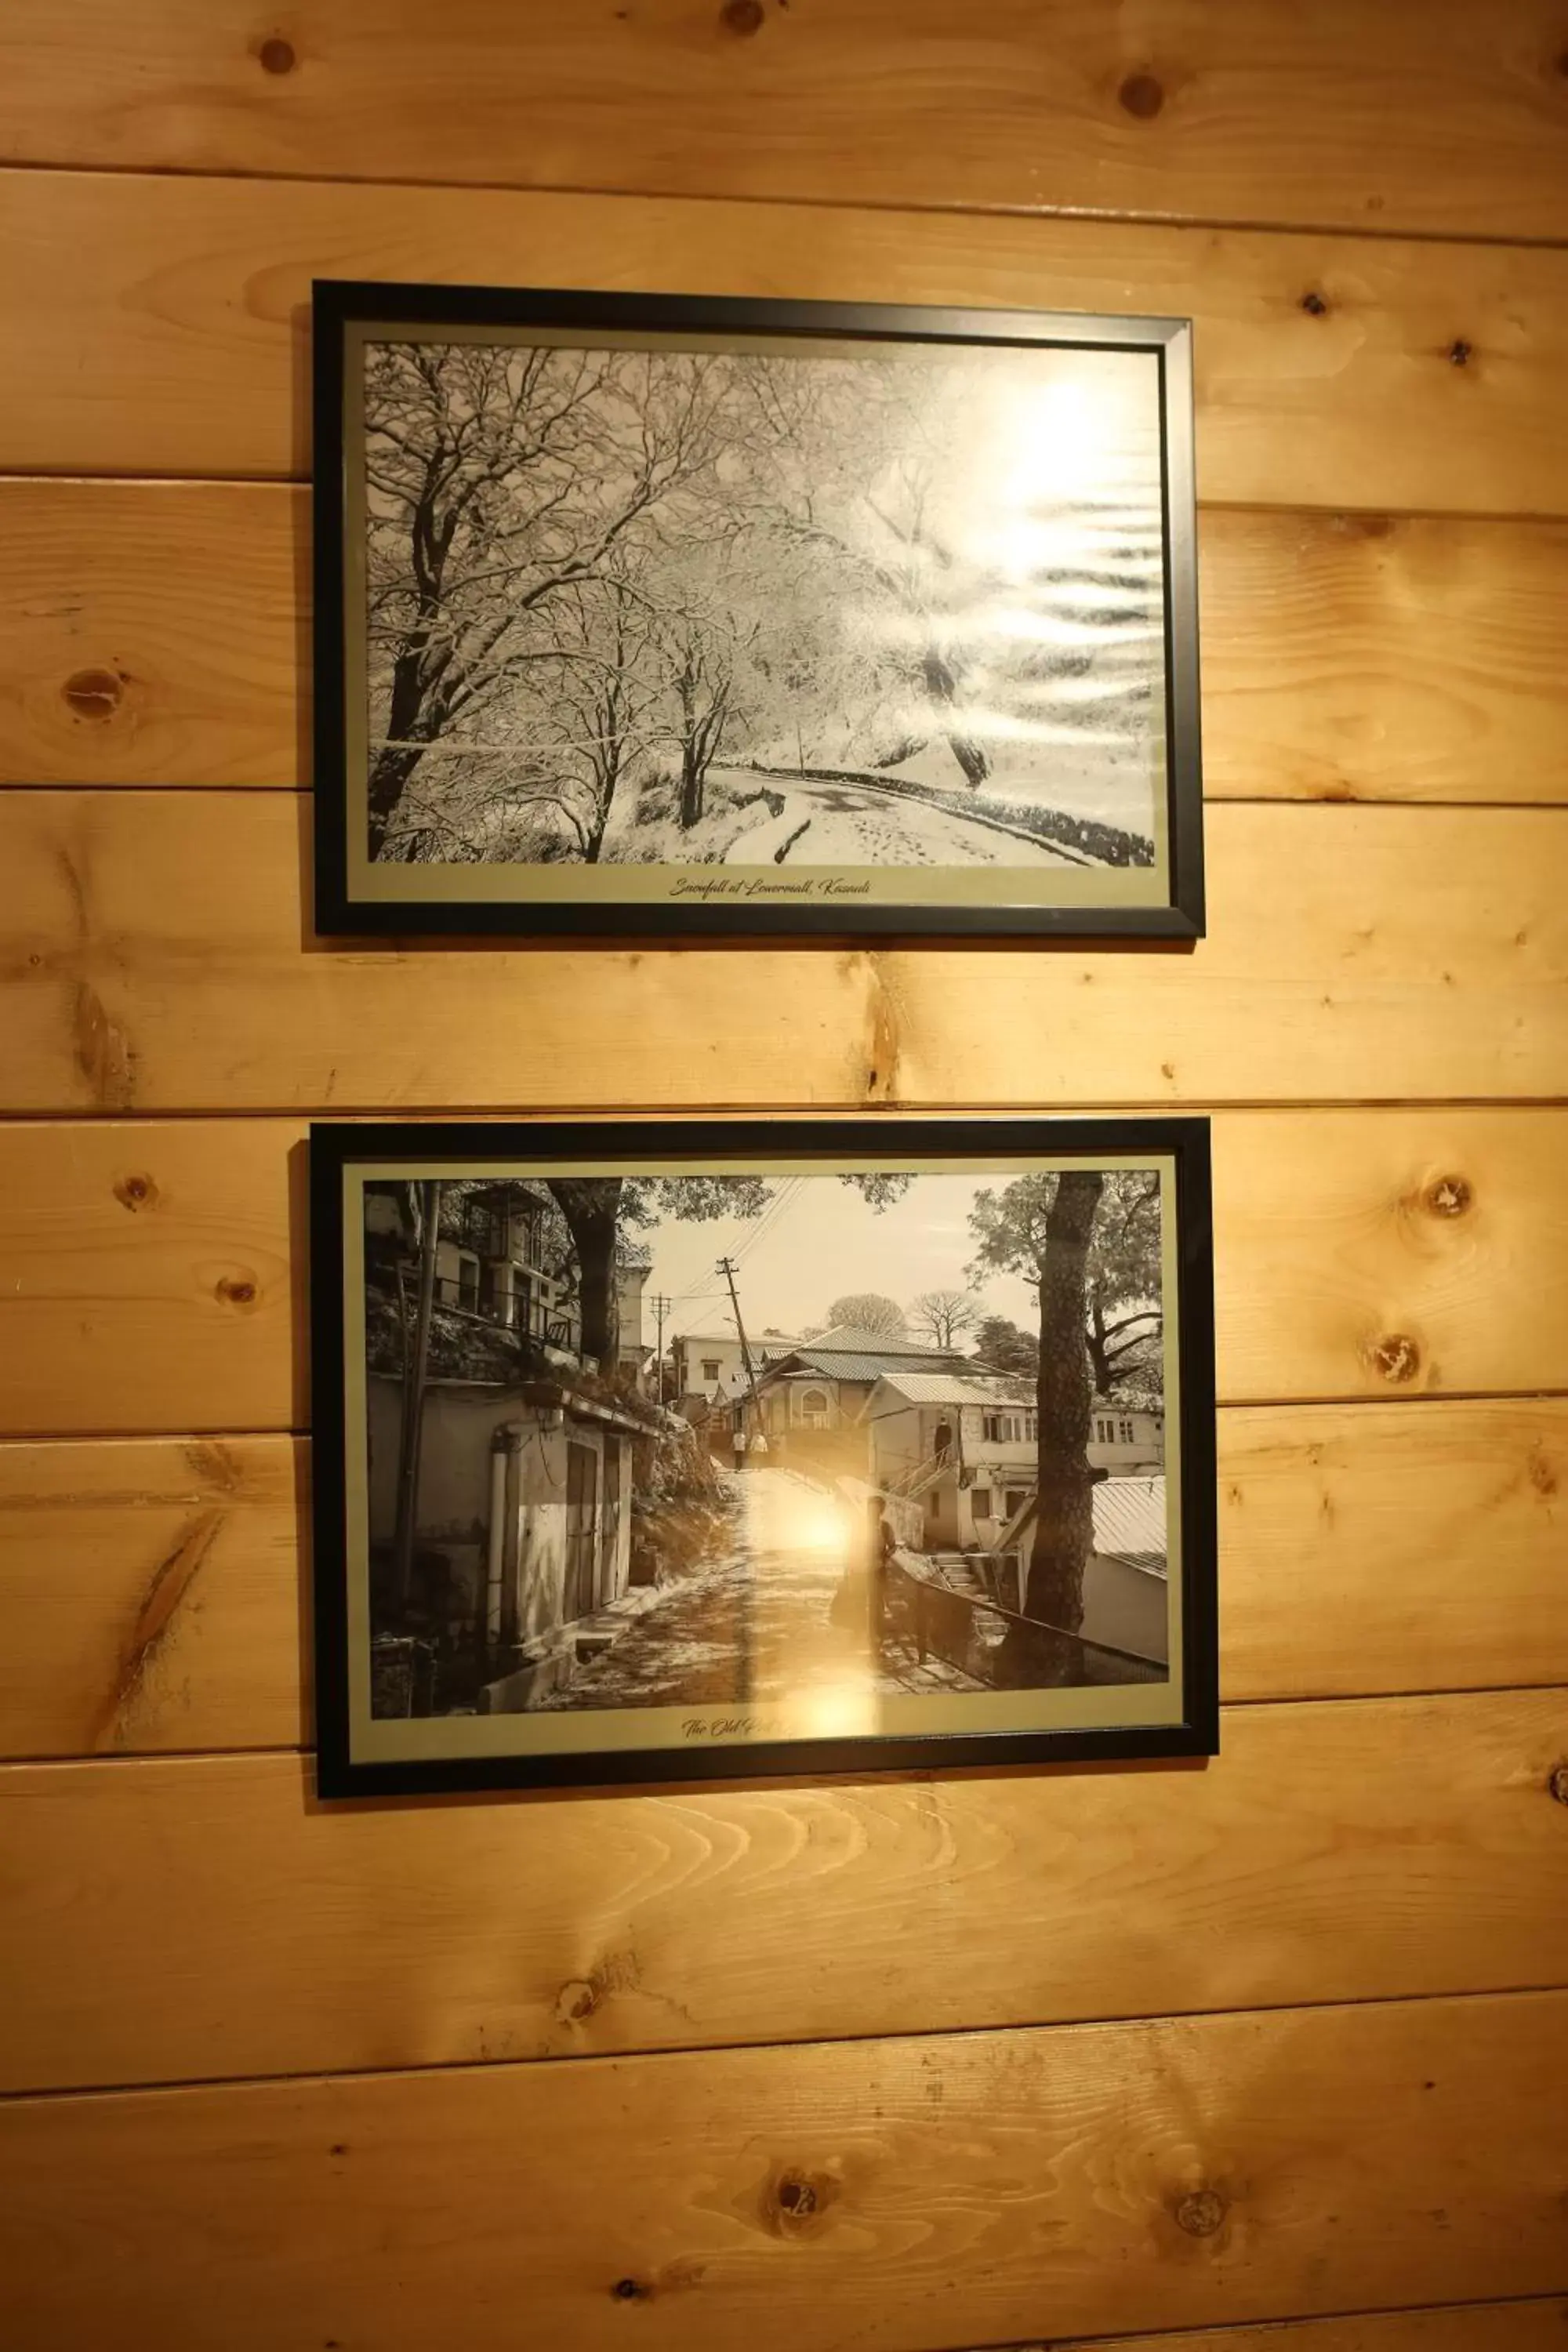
{"points": [[499, 479], [867, 1311], [942, 1315]]}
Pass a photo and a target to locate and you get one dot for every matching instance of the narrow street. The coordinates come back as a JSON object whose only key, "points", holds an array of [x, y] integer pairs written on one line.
{"points": [[827, 821], [756, 1625]]}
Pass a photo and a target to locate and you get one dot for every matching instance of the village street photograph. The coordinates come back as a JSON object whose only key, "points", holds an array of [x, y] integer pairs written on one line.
{"points": [[772, 1449], [661, 601]]}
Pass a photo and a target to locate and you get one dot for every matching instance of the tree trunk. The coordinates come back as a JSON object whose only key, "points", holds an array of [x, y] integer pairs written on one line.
{"points": [[590, 1206], [1063, 1520], [416, 1362], [941, 685], [389, 773], [692, 775]]}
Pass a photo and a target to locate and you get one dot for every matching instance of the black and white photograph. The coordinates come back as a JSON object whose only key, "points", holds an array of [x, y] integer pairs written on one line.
{"points": [[762, 1451], [739, 614]]}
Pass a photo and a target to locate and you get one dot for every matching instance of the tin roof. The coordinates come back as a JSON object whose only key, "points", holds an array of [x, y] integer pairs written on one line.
{"points": [[1129, 1521], [958, 1389]]}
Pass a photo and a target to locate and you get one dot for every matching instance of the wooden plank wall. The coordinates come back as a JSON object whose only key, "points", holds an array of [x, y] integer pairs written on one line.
{"points": [[1270, 2054]]}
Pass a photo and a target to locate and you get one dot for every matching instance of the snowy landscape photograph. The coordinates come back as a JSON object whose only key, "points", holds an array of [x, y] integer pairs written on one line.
{"points": [[731, 1455], [727, 622]]}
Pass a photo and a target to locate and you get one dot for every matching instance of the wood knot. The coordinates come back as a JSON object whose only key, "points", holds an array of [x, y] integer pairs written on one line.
{"points": [[237, 1290], [741, 16], [1142, 97], [1542, 1476], [1314, 305], [277, 56], [795, 2202], [94, 694], [135, 1192], [576, 1999], [1397, 1357], [631, 2289], [1447, 1196], [1201, 2212], [1557, 1784], [1460, 352]]}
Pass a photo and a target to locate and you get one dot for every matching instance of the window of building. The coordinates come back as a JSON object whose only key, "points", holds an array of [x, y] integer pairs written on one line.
{"points": [[1015, 1498], [980, 1502], [814, 1408], [1126, 1428], [467, 1281], [709, 1368]]}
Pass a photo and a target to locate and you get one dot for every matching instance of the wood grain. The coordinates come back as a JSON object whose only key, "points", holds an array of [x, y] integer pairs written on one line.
{"points": [[158, 633], [153, 1274], [157, 955], [165, 321], [1358, 1851], [1532, 2326], [1382, 657], [152, 1595], [152, 1591], [1443, 118], [902, 2195], [153, 632]]}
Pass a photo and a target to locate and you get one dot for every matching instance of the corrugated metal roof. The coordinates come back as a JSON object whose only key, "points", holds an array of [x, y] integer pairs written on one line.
{"points": [[856, 1340], [845, 1366], [951, 1388], [1129, 1520]]}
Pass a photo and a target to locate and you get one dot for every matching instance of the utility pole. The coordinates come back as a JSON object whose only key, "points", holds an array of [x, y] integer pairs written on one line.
{"points": [[727, 1267], [661, 1306]]}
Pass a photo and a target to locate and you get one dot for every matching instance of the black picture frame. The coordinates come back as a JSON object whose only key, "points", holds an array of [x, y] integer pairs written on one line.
{"points": [[345, 907], [631, 1144]]}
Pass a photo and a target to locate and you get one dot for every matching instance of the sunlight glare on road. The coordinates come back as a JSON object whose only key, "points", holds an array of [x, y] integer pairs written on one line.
{"points": [[785, 1515]]}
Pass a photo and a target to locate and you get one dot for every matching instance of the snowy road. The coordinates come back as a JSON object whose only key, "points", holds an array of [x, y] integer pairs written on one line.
{"points": [[831, 824]]}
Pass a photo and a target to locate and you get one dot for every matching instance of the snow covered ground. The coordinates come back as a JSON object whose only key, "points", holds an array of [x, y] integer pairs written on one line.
{"points": [[826, 822]]}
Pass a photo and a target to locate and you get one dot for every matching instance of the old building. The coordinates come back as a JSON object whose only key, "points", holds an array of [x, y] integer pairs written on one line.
{"points": [[524, 1525], [499, 1259], [962, 1444], [818, 1388]]}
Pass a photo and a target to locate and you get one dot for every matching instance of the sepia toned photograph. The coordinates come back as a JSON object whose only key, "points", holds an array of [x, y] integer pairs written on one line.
{"points": [[739, 614], [644, 1460]]}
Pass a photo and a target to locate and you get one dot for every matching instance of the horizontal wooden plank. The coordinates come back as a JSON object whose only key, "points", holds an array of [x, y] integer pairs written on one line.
{"points": [[152, 1595], [153, 1277], [1439, 117], [154, 633], [902, 2195], [1367, 1849], [156, 956], [158, 633], [152, 1591], [1382, 657], [1536, 2326], [164, 319]]}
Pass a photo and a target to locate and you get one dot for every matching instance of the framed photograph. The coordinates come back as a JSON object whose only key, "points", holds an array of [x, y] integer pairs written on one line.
{"points": [[658, 1451], [660, 614]]}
